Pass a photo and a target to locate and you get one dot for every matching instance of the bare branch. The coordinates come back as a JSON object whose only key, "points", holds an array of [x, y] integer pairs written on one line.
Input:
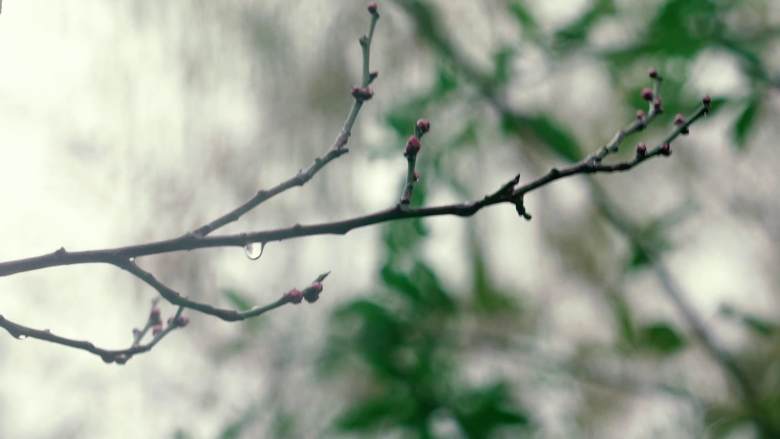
{"points": [[175, 298], [336, 150], [119, 356]]}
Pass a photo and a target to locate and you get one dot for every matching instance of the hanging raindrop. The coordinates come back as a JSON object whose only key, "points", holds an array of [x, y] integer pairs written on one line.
{"points": [[254, 250]]}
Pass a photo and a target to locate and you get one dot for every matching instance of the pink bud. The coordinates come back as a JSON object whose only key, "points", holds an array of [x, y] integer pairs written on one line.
{"points": [[412, 146], [423, 126], [362, 93], [373, 8], [679, 119], [316, 286], [647, 94], [653, 73], [706, 101], [294, 296], [666, 149], [658, 105], [641, 149], [157, 329], [182, 321]]}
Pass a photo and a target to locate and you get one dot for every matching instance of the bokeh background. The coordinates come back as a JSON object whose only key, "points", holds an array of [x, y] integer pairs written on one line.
{"points": [[125, 122]]}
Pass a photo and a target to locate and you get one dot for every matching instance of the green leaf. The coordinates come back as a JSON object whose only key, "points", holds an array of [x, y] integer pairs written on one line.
{"points": [[578, 30], [502, 62], [400, 282], [661, 337], [746, 121], [373, 413], [623, 318], [481, 411], [237, 299], [759, 326], [523, 17]]}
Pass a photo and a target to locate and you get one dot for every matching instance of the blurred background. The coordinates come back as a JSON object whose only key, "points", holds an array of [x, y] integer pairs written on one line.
{"points": [[635, 305]]}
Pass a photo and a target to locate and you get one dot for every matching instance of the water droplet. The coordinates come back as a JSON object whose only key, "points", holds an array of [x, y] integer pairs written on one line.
{"points": [[132, 259], [254, 250], [21, 336]]}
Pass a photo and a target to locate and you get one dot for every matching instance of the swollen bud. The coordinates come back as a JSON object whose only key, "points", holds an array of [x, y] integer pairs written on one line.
{"points": [[641, 149], [679, 120], [658, 106], [423, 126], [412, 146], [652, 73], [647, 94], [182, 321], [666, 149], [312, 292], [294, 296], [362, 93], [373, 9], [157, 329], [707, 102]]}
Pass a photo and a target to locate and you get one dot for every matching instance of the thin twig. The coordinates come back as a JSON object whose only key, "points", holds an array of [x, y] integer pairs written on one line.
{"points": [[337, 149], [119, 356], [175, 298]]}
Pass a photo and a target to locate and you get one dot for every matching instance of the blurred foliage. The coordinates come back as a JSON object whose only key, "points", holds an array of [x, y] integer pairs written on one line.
{"points": [[399, 347], [400, 359]]}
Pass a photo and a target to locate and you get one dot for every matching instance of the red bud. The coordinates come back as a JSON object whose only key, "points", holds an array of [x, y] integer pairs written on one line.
{"points": [[294, 296], [423, 126], [362, 93], [412, 146]]}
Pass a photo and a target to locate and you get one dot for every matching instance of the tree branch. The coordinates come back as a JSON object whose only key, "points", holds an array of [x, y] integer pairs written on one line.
{"points": [[337, 149], [119, 356], [190, 242]]}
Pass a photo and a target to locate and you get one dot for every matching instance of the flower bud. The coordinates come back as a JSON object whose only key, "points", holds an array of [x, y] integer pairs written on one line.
{"points": [[666, 149], [157, 329], [182, 321], [362, 93], [373, 9], [653, 73], [679, 119], [658, 106], [423, 126], [647, 94], [294, 296], [412, 146], [312, 292], [641, 149]]}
